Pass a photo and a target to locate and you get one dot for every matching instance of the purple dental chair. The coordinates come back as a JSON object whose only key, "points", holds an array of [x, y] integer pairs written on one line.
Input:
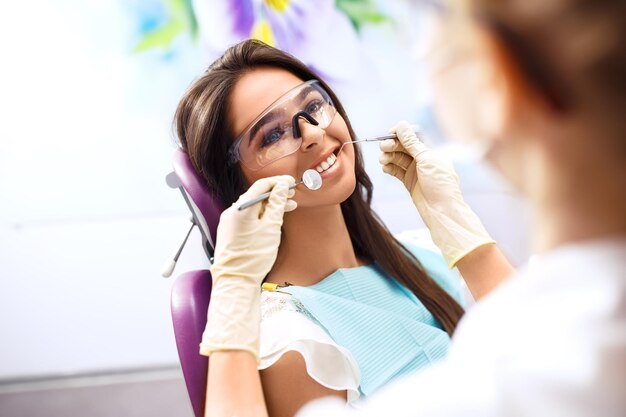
{"points": [[192, 290]]}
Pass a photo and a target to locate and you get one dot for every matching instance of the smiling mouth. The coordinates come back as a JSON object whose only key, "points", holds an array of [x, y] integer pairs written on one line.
{"points": [[327, 163]]}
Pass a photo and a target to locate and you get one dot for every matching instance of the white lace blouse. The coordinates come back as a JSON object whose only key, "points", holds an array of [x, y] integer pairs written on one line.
{"points": [[287, 326]]}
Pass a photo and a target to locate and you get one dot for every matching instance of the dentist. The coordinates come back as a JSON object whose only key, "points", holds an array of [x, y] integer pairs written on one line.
{"points": [[540, 87]]}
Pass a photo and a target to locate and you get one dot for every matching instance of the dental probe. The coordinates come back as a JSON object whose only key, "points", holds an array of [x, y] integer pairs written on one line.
{"points": [[376, 139], [311, 180]]}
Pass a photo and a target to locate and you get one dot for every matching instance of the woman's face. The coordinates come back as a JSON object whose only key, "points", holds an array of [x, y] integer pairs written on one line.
{"points": [[252, 95]]}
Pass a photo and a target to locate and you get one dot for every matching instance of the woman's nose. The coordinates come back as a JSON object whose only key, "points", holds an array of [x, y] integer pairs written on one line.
{"points": [[306, 128], [311, 136]]}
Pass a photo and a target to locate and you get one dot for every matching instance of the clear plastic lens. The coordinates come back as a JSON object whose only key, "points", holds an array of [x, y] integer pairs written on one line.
{"points": [[270, 137]]}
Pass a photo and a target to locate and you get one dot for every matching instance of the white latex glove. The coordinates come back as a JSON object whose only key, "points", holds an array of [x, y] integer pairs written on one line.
{"points": [[246, 249], [434, 188]]}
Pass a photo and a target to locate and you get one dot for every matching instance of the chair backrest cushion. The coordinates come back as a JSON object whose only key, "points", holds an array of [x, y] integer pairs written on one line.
{"points": [[204, 205], [189, 304]]}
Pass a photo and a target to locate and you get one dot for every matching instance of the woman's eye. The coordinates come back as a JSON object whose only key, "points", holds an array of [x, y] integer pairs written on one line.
{"points": [[272, 137], [313, 107]]}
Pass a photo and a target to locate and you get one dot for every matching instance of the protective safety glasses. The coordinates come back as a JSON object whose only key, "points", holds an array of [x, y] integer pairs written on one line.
{"points": [[275, 133]]}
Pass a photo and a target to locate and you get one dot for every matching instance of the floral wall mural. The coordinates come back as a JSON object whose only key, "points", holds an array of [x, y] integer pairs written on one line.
{"points": [[355, 45]]}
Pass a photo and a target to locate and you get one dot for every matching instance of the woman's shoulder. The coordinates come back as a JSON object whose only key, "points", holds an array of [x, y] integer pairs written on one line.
{"points": [[286, 326]]}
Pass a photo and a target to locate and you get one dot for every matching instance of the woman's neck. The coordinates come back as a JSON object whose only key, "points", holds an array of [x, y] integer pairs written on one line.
{"points": [[314, 244]]}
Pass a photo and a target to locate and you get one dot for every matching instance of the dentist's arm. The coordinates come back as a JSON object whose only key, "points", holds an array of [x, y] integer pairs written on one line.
{"points": [[454, 227], [483, 269], [247, 245]]}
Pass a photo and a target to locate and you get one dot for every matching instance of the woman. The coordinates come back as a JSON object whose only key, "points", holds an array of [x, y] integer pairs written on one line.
{"points": [[258, 113]]}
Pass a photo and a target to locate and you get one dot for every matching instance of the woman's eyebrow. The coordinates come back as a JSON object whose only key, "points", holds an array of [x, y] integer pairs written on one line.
{"points": [[305, 92], [268, 118]]}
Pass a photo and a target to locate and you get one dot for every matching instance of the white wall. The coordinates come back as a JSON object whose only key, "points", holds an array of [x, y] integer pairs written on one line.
{"points": [[86, 219]]}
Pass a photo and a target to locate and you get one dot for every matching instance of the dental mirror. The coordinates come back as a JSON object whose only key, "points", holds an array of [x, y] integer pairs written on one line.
{"points": [[311, 180]]}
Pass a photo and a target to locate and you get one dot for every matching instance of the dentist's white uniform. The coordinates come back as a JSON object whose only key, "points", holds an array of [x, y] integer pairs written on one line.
{"points": [[550, 342]]}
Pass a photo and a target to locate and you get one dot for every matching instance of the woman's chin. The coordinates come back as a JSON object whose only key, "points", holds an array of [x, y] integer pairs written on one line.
{"points": [[328, 195]]}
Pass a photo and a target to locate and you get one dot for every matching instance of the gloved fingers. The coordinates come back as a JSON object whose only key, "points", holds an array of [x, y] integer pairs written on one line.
{"points": [[402, 128], [291, 205], [391, 145], [406, 134], [407, 137], [264, 185], [401, 159], [277, 202], [394, 170]]}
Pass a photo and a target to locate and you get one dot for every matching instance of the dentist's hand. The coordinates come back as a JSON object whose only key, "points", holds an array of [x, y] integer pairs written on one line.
{"points": [[434, 188], [246, 249]]}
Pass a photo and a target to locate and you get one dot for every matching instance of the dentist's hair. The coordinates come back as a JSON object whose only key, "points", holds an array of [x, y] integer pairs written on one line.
{"points": [[573, 52], [201, 123]]}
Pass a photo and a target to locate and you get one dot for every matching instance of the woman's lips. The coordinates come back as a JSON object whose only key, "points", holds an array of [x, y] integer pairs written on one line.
{"points": [[333, 169]]}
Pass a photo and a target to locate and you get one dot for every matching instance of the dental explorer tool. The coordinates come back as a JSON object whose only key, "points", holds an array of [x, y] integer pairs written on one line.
{"points": [[376, 139], [311, 180]]}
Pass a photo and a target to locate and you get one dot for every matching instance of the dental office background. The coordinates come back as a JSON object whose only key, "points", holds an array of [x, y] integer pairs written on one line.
{"points": [[87, 94]]}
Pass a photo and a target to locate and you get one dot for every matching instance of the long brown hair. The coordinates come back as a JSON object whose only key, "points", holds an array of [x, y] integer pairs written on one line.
{"points": [[202, 127]]}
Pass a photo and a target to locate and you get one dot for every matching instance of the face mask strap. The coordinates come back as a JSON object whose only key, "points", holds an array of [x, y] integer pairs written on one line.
{"points": [[295, 122]]}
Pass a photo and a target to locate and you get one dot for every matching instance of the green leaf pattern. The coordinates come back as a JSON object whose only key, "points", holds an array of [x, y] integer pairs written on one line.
{"points": [[182, 19]]}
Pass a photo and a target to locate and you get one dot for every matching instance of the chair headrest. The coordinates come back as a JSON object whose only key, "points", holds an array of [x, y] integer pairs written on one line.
{"points": [[204, 205]]}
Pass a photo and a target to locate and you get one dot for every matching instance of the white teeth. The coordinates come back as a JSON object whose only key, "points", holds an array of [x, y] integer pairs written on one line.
{"points": [[330, 161]]}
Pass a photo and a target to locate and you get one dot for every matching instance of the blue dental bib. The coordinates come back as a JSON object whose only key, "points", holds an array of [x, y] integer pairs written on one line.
{"points": [[386, 328]]}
